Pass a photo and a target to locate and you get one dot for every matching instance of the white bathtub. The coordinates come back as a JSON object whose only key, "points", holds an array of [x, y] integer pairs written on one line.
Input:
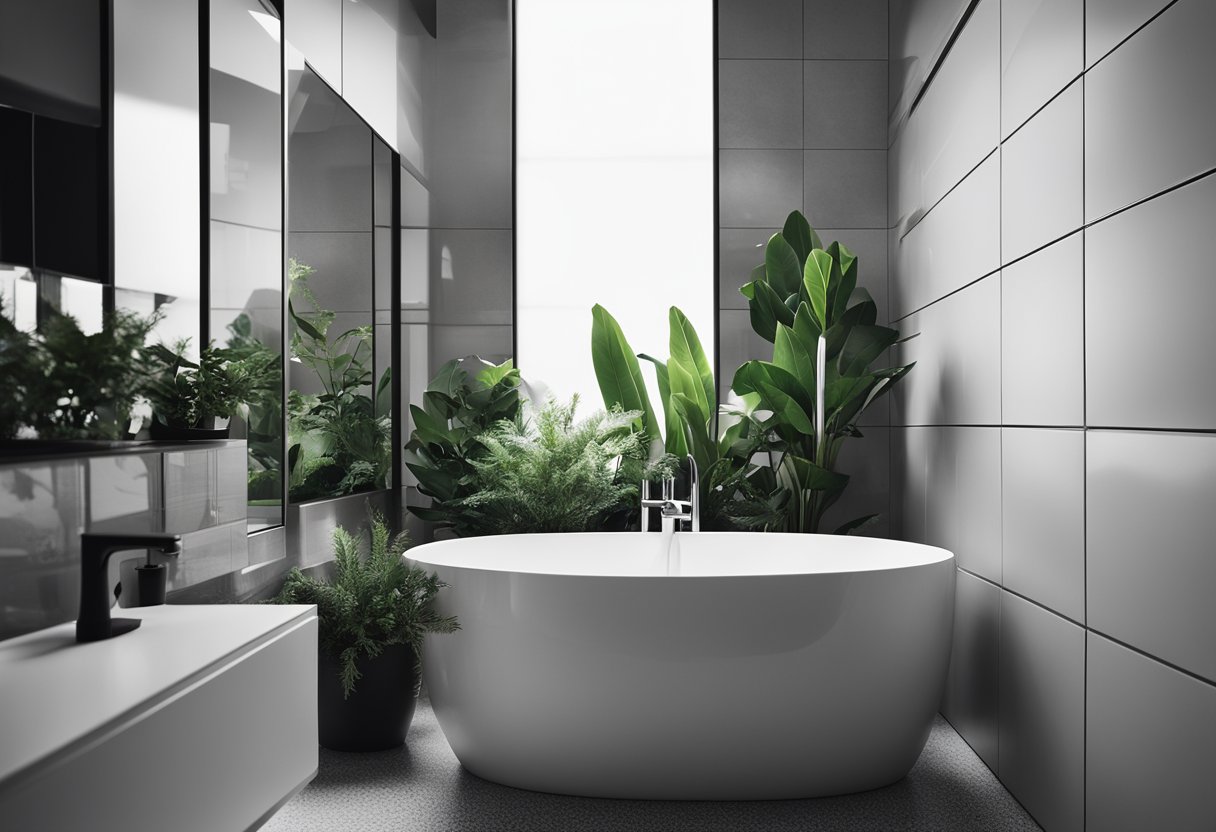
{"points": [[763, 666]]}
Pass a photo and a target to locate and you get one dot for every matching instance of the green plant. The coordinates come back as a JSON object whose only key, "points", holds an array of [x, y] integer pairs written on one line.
{"points": [[549, 474], [88, 382], [797, 410], [21, 369], [447, 437], [188, 394], [338, 440], [687, 394], [264, 413], [375, 599]]}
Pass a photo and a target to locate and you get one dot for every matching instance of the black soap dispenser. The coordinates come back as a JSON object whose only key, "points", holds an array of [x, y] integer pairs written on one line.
{"points": [[152, 579]]}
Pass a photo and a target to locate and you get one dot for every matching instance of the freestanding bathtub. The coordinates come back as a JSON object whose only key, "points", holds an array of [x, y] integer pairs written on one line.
{"points": [[738, 666]]}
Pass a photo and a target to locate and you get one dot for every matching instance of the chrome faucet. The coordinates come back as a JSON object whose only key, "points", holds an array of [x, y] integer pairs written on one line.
{"points": [[676, 515]]}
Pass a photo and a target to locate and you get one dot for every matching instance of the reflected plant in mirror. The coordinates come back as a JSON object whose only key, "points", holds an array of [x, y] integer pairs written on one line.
{"points": [[69, 384], [263, 413], [339, 440], [189, 396]]}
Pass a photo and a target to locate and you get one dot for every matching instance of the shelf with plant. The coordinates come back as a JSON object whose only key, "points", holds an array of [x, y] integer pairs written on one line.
{"points": [[190, 398], [339, 440]]}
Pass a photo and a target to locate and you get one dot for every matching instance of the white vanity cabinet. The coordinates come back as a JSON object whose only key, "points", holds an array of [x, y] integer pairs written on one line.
{"points": [[204, 718]]}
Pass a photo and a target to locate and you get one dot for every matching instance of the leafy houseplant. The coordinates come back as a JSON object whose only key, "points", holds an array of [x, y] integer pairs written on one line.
{"points": [[69, 385], [549, 474], [372, 616], [798, 409], [263, 414], [456, 412], [338, 441], [187, 396]]}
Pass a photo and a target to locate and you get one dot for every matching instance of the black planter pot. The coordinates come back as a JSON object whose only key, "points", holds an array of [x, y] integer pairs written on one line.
{"points": [[378, 713], [159, 430]]}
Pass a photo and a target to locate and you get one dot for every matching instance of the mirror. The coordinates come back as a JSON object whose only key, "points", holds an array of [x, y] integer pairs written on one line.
{"points": [[339, 401], [245, 228]]}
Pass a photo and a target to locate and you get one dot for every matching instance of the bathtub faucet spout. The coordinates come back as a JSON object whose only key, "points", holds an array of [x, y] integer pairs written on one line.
{"points": [[676, 515]]}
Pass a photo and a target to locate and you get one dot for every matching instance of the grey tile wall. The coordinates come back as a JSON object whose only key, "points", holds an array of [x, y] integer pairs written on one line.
{"points": [[802, 103], [1082, 670]]}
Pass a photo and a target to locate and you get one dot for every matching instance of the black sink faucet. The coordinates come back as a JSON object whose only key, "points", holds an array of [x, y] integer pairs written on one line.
{"points": [[94, 623]]}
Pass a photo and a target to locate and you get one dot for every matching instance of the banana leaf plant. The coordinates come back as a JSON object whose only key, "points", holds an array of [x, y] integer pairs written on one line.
{"points": [[456, 411], [686, 390], [797, 409]]}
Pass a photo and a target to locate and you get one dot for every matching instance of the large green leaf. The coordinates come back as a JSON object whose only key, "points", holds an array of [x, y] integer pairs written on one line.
{"points": [[844, 279], [791, 354], [799, 234], [782, 266], [767, 309], [617, 370], [676, 443], [686, 351], [699, 443], [448, 380], [862, 346], [492, 374], [807, 476], [780, 391], [817, 276]]}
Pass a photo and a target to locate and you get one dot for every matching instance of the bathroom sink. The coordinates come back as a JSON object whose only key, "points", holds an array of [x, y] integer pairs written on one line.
{"points": [[203, 718]]}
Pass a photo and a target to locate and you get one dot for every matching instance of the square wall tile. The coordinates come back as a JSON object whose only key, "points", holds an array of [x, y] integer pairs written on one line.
{"points": [[1041, 706], [758, 188], [493, 343], [963, 497], [738, 343], [759, 28], [760, 104], [1043, 337], [1043, 517], [1149, 338], [1042, 50], [1042, 166], [845, 188], [867, 462], [971, 684], [1150, 527], [470, 276], [850, 29], [1150, 744], [343, 268], [1149, 123], [846, 104]]}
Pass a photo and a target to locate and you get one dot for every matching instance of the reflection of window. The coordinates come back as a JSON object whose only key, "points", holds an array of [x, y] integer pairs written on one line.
{"points": [[19, 297], [445, 264]]}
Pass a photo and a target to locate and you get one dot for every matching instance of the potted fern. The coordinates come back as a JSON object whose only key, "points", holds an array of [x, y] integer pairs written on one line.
{"points": [[373, 615]]}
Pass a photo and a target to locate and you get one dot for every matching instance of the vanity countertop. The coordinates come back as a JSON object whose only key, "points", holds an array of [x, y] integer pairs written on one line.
{"points": [[56, 694]]}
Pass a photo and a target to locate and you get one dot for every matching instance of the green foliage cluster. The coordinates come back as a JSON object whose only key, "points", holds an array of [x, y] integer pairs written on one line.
{"points": [[64, 384], [773, 465], [551, 474], [338, 441], [456, 412], [263, 413], [188, 394], [375, 599]]}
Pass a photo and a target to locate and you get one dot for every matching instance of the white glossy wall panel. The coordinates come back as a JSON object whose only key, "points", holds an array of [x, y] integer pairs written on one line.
{"points": [[1107, 22], [909, 483], [1150, 744], [963, 497], [958, 242], [1043, 337], [1149, 123], [371, 70], [1149, 338], [919, 30], [971, 684], [957, 377], [1042, 50], [1150, 528], [957, 123], [1041, 706], [314, 27], [1043, 517], [1042, 187], [760, 104]]}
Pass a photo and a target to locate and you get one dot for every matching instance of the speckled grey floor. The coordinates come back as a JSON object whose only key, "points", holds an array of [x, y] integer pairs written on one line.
{"points": [[423, 787]]}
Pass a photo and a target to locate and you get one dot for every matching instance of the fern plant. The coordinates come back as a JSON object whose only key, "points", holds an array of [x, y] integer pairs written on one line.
{"points": [[220, 384], [549, 474], [375, 600]]}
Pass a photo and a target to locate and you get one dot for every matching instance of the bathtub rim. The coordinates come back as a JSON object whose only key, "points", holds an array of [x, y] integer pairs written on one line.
{"points": [[929, 556]]}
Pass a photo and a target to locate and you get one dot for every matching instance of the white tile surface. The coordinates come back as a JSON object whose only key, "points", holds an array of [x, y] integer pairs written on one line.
{"points": [[1042, 50], [971, 687], [1150, 527], [1043, 337]]}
